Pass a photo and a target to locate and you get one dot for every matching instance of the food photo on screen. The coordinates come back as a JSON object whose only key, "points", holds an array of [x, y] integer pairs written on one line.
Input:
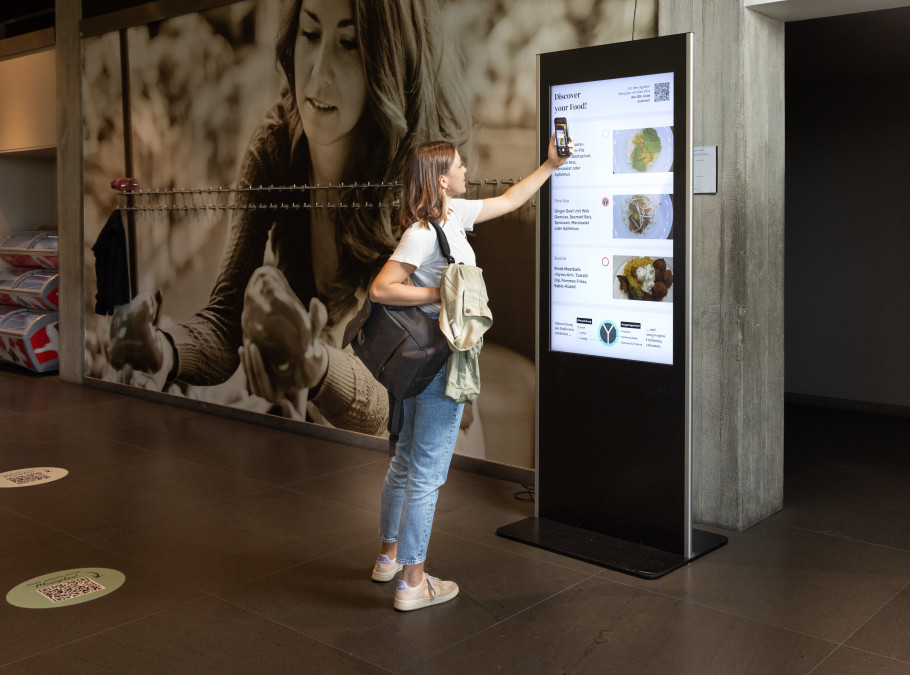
{"points": [[643, 216], [644, 278], [643, 150]]}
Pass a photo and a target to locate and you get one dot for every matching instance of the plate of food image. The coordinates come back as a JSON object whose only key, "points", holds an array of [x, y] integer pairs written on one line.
{"points": [[642, 216], [646, 150], [645, 278]]}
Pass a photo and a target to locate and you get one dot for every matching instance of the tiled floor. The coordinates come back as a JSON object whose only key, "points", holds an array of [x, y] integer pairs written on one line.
{"points": [[248, 550]]}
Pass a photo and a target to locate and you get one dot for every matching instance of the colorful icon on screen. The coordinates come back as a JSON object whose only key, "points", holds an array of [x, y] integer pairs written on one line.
{"points": [[608, 333]]}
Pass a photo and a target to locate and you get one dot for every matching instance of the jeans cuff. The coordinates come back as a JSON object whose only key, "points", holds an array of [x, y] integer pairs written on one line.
{"points": [[410, 562]]}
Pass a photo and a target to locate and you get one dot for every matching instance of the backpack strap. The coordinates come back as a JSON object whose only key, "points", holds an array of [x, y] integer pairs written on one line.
{"points": [[396, 421], [443, 243]]}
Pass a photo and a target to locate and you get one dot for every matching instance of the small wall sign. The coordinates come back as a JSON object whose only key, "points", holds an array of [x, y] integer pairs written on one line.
{"points": [[705, 170]]}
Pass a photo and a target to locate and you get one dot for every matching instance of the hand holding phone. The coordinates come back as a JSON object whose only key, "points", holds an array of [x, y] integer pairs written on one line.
{"points": [[562, 137]]}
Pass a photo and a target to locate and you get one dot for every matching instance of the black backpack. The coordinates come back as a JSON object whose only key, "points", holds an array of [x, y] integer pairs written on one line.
{"points": [[403, 347]]}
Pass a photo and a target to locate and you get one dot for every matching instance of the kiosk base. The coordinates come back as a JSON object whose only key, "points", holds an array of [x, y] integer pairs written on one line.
{"points": [[600, 549]]}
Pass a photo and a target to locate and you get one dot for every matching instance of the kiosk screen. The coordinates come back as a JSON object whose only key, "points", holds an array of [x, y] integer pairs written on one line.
{"points": [[611, 220]]}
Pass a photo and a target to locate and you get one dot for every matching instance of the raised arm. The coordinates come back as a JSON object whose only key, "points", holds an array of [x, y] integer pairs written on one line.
{"points": [[523, 190]]}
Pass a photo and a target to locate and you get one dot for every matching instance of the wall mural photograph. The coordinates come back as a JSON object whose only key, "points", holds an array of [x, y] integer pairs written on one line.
{"points": [[267, 139]]}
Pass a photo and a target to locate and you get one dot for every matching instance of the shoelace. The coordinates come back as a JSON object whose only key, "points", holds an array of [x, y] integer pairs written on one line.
{"points": [[430, 585]]}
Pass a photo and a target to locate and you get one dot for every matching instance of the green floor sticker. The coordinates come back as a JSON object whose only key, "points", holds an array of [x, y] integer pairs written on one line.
{"points": [[35, 476], [70, 587]]}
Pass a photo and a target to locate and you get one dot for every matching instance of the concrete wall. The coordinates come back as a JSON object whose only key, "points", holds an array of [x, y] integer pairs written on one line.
{"points": [[738, 309], [69, 190]]}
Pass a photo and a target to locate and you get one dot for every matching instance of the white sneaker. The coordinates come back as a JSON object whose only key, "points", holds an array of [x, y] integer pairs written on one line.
{"points": [[430, 591], [385, 568]]}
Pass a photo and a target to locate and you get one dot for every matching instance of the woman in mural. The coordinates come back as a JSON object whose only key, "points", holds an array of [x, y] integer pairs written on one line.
{"points": [[434, 174], [362, 88]]}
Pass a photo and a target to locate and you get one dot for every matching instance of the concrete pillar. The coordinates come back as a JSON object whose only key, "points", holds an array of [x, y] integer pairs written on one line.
{"points": [[738, 306], [70, 190]]}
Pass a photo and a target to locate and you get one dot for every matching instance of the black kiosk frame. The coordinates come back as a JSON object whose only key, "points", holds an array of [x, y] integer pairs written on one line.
{"points": [[614, 393]]}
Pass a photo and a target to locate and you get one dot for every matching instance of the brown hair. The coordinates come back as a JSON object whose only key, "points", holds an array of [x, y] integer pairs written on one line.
{"points": [[422, 198], [403, 49]]}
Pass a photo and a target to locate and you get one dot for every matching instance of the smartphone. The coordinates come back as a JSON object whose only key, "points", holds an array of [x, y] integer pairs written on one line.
{"points": [[562, 136]]}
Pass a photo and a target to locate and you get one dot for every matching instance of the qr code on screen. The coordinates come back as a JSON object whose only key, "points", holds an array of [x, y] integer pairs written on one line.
{"points": [[661, 92], [26, 478], [67, 590]]}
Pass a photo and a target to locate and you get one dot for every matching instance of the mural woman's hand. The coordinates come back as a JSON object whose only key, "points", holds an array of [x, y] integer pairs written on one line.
{"points": [[139, 350], [260, 384], [282, 354]]}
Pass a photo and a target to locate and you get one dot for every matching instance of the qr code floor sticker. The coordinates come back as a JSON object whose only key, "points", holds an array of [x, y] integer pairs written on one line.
{"points": [[69, 587], [26, 478], [67, 590], [34, 476]]}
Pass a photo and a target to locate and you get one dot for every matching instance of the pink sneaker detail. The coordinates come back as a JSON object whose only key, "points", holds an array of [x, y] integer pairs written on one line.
{"points": [[385, 569]]}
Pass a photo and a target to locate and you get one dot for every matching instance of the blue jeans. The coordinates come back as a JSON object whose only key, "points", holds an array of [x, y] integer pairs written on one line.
{"points": [[418, 469]]}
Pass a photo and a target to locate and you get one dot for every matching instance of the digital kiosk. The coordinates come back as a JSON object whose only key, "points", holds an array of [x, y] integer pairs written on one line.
{"points": [[613, 479]]}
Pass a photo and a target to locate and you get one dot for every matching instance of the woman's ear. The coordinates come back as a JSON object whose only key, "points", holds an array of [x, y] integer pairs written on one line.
{"points": [[443, 182]]}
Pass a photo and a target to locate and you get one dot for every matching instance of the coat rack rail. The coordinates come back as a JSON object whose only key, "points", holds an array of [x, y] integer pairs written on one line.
{"points": [[269, 197]]}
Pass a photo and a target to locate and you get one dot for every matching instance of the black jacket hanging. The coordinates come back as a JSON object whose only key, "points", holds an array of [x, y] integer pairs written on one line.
{"points": [[111, 266]]}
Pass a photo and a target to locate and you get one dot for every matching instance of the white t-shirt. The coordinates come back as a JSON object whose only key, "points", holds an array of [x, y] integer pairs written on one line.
{"points": [[419, 245]]}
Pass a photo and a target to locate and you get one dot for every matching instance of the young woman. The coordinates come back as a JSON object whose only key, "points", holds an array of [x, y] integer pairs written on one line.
{"points": [[434, 175], [362, 88]]}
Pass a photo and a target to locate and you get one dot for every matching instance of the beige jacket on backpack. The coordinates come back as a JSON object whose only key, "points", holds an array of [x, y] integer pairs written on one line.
{"points": [[464, 317]]}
